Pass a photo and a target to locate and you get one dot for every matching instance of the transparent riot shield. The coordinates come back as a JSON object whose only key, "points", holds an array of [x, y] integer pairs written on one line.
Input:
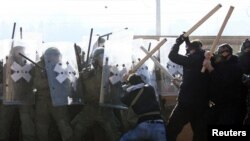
{"points": [[62, 72], [2, 58], [117, 61], [167, 87], [147, 70], [17, 78]]}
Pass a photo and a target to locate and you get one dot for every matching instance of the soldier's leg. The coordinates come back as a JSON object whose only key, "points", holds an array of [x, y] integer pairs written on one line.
{"points": [[81, 124], [176, 122], [111, 133], [54, 133], [42, 121], [27, 122], [61, 116], [108, 122], [120, 123], [15, 134], [6, 118], [96, 132]]}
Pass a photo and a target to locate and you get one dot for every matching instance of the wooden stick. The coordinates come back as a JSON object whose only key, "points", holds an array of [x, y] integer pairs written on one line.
{"points": [[139, 64], [7, 90], [158, 64], [165, 71], [21, 33], [90, 40], [229, 13], [215, 42], [200, 22]]}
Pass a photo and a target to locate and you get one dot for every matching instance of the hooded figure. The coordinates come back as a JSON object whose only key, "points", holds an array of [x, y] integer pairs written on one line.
{"points": [[226, 97], [244, 61], [143, 112], [193, 94]]}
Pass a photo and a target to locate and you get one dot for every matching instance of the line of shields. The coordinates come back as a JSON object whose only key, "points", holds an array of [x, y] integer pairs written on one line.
{"points": [[19, 58], [122, 55], [60, 67]]}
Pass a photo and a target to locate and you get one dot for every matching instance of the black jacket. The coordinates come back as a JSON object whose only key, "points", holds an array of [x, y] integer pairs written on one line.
{"points": [[194, 87], [146, 103], [226, 84], [244, 62]]}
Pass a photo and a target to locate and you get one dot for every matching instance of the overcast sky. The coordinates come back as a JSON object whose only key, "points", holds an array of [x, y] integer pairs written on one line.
{"points": [[71, 20]]}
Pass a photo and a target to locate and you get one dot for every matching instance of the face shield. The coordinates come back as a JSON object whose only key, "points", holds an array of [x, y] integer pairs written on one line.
{"points": [[53, 55]]}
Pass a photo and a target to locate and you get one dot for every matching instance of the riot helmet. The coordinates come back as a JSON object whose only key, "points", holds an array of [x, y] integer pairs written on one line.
{"points": [[194, 45], [16, 56], [245, 47], [223, 52], [97, 57], [52, 54], [225, 48], [101, 42]]}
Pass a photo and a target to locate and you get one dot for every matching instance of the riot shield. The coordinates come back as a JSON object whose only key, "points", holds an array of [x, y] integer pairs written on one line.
{"points": [[17, 88], [167, 87], [147, 70], [117, 61], [2, 58], [62, 72]]}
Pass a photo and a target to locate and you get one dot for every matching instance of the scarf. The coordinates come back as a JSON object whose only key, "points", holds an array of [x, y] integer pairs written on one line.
{"points": [[135, 87]]}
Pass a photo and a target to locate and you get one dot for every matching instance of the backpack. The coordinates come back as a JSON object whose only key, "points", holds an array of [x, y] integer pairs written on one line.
{"points": [[131, 117]]}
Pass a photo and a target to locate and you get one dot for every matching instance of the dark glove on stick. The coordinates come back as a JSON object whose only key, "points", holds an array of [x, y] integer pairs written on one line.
{"points": [[180, 39]]}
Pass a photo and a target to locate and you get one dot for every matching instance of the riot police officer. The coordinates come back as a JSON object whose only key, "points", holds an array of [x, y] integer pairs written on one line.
{"points": [[93, 115], [18, 98], [46, 110]]}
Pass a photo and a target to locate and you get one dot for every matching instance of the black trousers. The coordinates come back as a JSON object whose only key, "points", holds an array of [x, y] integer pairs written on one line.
{"points": [[183, 114]]}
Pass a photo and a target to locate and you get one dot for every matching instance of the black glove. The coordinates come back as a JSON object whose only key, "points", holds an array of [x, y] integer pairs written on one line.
{"points": [[180, 39]]}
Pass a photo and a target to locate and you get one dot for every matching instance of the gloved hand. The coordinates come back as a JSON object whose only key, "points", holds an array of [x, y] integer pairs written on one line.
{"points": [[246, 80], [180, 39], [85, 73]]}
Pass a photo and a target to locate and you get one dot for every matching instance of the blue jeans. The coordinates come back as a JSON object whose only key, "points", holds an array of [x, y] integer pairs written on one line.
{"points": [[146, 131]]}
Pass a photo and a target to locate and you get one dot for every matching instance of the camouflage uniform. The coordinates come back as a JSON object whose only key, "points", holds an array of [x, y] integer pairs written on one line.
{"points": [[5, 113], [93, 115], [25, 111], [45, 110], [8, 115]]}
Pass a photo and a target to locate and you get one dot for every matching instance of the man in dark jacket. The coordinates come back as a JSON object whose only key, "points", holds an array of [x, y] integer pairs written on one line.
{"points": [[226, 97], [141, 99], [244, 61], [193, 99]]}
